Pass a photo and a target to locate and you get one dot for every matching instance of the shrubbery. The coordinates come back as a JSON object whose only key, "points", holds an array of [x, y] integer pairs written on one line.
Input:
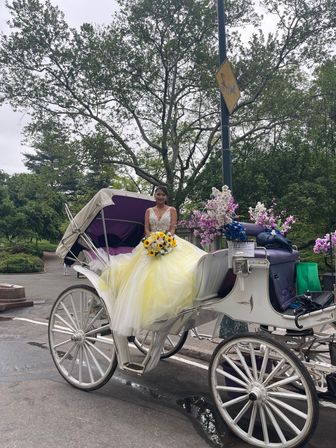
{"points": [[23, 256], [31, 248], [20, 263]]}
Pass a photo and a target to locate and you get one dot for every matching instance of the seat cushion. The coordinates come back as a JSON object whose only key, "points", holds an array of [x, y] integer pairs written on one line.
{"points": [[210, 273]]}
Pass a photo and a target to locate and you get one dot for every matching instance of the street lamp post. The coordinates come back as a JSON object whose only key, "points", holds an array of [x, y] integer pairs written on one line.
{"points": [[228, 326], [226, 153]]}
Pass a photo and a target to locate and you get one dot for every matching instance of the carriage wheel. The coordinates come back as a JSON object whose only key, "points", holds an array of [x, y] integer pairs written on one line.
{"points": [[256, 397], [173, 343], [319, 353], [80, 340]]}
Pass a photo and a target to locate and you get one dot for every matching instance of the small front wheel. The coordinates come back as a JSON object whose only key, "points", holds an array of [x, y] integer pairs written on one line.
{"points": [[253, 384], [80, 340], [172, 344]]}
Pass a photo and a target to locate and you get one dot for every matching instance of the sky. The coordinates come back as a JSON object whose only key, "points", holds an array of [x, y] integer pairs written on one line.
{"points": [[12, 123]]}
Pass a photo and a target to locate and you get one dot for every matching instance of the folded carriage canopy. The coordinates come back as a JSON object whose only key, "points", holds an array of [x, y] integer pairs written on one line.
{"points": [[120, 212]]}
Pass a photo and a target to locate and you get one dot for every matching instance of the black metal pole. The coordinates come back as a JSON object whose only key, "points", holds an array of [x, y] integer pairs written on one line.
{"points": [[228, 327], [226, 153]]}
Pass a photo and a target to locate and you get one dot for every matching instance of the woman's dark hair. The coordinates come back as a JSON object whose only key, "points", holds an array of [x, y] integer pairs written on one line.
{"points": [[162, 188]]}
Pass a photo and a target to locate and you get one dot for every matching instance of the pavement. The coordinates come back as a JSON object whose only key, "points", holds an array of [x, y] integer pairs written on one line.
{"points": [[43, 289]]}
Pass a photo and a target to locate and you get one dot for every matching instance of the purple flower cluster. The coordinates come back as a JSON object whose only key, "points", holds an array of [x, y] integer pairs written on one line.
{"points": [[323, 244], [218, 211], [267, 218]]}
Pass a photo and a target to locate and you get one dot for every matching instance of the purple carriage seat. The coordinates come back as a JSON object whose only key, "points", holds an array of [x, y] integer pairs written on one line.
{"points": [[112, 251], [282, 281]]}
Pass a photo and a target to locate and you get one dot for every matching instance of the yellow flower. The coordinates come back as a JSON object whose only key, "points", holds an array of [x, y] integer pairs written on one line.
{"points": [[151, 253], [169, 239], [160, 234], [146, 243]]}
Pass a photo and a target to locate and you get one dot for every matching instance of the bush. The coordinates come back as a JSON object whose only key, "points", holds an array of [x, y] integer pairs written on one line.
{"points": [[29, 247], [46, 246], [22, 248], [20, 263]]}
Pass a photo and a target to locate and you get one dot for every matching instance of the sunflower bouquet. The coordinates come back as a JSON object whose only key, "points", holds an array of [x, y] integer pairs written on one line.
{"points": [[159, 243]]}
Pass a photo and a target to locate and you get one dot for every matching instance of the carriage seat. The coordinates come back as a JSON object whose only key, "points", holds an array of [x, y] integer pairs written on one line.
{"points": [[282, 276], [91, 255], [210, 273]]}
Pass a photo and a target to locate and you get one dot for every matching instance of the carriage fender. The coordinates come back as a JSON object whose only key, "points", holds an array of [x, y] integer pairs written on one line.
{"points": [[95, 280]]}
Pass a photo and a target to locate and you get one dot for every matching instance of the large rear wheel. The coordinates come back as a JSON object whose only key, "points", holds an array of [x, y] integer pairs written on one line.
{"points": [[80, 340], [253, 384]]}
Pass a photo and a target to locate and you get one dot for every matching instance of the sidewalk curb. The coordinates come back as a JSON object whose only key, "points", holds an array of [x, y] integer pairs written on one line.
{"points": [[195, 354]]}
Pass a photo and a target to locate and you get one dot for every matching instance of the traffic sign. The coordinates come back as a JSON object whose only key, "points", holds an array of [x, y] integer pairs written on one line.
{"points": [[228, 85]]}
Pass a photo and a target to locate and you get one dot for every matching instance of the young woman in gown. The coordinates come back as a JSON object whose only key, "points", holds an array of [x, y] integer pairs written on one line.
{"points": [[144, 289]]}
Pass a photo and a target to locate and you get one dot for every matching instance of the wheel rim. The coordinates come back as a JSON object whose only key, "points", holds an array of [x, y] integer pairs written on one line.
{"points": [[80, 341], [254, 395]]}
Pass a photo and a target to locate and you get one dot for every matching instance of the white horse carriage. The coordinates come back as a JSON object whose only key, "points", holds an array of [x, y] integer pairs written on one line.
{"points": [[264, 384]]}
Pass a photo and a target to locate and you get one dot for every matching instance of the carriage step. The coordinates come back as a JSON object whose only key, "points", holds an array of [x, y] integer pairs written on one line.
{"points": [[307, 332], [133, 367]]}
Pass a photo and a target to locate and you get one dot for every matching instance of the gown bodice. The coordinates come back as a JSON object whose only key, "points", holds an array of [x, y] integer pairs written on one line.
{"points": [[159, 224]]}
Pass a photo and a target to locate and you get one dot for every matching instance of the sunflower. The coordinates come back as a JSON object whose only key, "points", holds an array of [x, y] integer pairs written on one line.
{"points": [[146, 243], [151, 253]]}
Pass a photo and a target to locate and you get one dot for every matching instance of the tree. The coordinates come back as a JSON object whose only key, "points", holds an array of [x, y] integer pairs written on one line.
{"points": [[57, 159], [31, 208], [147, 78]]}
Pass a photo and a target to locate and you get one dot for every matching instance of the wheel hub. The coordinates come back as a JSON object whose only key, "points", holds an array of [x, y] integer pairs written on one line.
{"points": [[78, 337], [257, 393]]}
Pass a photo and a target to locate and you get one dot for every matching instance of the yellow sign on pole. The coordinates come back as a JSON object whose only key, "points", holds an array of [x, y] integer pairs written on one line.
{"points": [[228, 85]]}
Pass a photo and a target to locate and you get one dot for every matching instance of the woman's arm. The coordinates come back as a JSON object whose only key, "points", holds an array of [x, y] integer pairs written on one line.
{"points": [[147, 226], [173, 220]]}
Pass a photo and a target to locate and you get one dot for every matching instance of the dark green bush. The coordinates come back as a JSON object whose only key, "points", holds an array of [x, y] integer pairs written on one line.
{"points": [[46, 246], [20, 263], [29, 247], [22, 248]]}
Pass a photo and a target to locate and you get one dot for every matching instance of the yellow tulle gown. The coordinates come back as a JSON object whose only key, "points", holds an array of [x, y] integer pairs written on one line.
{"points": [[144, 289]]}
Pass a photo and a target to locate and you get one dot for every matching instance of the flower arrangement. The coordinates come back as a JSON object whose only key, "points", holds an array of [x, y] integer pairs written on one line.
{"points": [[323, 245], [159, 243], [234, 232], [272, 222], [218, 212]]}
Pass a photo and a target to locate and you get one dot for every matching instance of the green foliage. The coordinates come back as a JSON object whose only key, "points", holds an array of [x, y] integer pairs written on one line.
{"points": [[19, 263], [28, 247], [29, 208]]}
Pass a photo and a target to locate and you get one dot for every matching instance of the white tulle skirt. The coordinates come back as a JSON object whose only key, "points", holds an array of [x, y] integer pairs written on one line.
{"points": [[143, 289]]}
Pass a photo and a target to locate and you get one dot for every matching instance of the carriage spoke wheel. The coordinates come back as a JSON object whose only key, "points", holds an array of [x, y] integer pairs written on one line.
{"points": [[173, 343], [255, 395], [80, 339]]}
